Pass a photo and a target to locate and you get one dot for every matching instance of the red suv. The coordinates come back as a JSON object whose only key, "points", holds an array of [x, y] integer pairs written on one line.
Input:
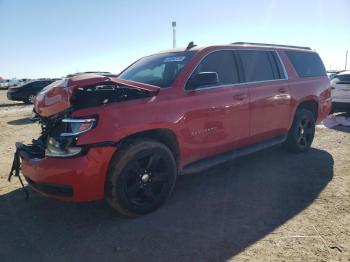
{"points": [[127, 137]]}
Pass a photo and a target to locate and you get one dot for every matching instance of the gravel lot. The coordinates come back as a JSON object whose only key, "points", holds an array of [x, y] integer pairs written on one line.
{"points": [[269, 206]]}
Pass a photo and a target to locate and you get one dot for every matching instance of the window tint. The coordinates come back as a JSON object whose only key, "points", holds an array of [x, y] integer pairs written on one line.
{"points": [[278, 63], [40, 84], [221, 62], [306, 63], [257, 65]]}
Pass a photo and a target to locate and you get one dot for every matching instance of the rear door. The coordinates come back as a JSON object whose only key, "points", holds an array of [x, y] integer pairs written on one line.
{"points": [[268, 89]]}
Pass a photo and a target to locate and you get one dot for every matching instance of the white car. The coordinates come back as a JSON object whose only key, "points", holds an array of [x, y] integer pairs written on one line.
{"points": [[341, 92]]}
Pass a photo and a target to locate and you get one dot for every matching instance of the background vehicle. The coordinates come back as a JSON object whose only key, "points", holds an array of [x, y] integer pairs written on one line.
{"points": [[28, 91], [104, 73], [181, 111], [341, 92]]}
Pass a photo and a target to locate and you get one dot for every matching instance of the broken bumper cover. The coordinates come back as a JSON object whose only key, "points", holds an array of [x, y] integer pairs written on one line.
{"points": [[68, 179]]}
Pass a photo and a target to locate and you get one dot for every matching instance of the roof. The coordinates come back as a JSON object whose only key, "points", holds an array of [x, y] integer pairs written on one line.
{"points": [[240, 45]]}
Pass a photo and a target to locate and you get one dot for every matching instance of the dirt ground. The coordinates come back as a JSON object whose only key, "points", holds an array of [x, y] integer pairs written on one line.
{"points": [[269, 206]]}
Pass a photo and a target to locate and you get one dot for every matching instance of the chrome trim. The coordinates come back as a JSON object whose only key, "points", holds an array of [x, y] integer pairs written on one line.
{"points": [[236, 84], [212, 87], [76, 133], [78, 120]]}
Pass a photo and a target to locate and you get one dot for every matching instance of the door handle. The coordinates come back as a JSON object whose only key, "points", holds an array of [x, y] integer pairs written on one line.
{"points": [[282, 90], [240, 97]]}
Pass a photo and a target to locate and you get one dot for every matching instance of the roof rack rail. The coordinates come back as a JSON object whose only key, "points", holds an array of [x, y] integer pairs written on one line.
{"points": [[263, 44]]}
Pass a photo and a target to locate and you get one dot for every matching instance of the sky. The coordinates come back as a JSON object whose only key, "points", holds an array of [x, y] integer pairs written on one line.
{"points": [[46, 38]]}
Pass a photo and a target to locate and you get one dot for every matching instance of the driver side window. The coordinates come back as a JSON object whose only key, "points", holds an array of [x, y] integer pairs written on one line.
{"points": [[221, 62]]}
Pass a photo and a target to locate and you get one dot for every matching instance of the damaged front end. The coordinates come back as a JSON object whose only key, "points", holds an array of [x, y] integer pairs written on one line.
{"points": [[58, 137], [55, 105], [88, 90]]}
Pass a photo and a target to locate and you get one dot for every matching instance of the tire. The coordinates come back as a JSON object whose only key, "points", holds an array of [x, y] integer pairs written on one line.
{"points": [[302, 132], [140, 178], [30, 99]]}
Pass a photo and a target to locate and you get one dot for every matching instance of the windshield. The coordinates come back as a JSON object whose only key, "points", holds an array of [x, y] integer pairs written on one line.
{"points": [[160, 69]]}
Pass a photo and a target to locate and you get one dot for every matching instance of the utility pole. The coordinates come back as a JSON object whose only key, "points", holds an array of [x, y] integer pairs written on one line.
{"points": [[174, 33], [346, 59]]}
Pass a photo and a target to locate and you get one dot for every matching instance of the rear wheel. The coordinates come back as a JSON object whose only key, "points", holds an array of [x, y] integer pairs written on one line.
{"points": [[141, 178], [302, 132]]}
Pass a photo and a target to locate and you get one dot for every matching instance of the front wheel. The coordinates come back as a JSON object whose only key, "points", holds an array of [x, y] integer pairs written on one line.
{"points": [[141, 177], [302, 132]]}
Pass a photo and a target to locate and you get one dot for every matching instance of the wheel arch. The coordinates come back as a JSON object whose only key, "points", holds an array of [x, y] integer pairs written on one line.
{"points": [[310, 104], [163, 135]]}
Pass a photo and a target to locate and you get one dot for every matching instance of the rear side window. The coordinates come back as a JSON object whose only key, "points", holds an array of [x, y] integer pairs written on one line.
{"points": [[307, 64], [260, 65], [221, 62]]}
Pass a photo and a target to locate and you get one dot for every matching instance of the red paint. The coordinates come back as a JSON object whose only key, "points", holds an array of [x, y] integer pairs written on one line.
{"points": [[86, 174], [205, 122]]}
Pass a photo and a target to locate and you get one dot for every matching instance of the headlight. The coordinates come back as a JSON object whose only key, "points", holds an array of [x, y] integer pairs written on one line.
{"points": [[78, 126], [64, 144], [60, 147]]}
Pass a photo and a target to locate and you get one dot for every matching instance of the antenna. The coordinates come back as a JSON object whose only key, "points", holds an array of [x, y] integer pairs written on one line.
{"points": [[190, 45]]}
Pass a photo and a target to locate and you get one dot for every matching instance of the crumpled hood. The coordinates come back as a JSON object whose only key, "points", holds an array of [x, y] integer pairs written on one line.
{"points": [[55, 98]]}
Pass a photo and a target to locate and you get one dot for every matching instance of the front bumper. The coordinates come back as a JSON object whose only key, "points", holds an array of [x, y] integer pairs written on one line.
{"points": [[69, 179]]}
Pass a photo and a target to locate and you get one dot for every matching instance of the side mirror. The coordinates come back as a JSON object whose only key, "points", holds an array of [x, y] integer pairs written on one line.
{"points": [[202, 79]]}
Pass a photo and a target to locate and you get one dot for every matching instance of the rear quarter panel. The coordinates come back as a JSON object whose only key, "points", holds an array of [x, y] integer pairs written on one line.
{"points": [[308, 88]]}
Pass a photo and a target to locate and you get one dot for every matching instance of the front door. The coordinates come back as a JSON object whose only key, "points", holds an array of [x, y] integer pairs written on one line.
{"points": [[217, 115]]}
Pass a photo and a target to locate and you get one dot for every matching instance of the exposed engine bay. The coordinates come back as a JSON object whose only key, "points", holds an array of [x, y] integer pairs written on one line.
{"points": [[104, 94], [56, 103]]}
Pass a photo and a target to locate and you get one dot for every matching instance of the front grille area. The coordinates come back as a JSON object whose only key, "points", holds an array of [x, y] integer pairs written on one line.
{"points": [[34, 150]]}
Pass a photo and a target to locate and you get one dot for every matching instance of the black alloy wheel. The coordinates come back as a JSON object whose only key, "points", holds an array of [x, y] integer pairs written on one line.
{"points": [[302, 132], [141, 178], [305, 132]]}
